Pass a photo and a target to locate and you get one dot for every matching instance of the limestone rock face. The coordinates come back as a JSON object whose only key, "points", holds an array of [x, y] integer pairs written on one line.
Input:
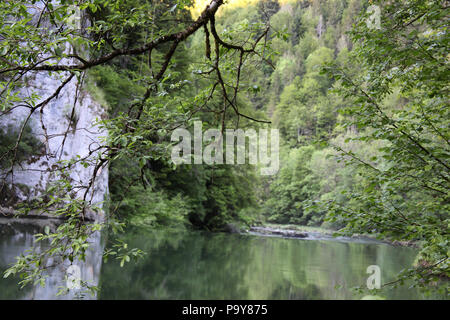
{"points": [[67, 128]]}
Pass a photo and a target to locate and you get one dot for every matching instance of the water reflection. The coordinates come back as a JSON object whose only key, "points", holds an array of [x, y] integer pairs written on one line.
{"points": [[198, 265], [16, 236]]}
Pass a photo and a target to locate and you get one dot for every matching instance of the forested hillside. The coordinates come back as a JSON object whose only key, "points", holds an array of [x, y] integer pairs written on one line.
{"points": [[341, 164], [288, 90], [150, 190]]}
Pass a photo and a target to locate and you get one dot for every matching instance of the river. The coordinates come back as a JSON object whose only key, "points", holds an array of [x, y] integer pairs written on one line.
{"points": [[200, 265]]}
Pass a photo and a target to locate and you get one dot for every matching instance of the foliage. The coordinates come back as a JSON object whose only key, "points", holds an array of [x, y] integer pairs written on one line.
{"points": [[377, 159], [400, 96], [28, 146]]}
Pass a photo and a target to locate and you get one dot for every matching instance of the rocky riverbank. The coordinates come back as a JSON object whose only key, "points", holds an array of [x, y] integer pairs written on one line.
{"points": [[279, 232], [318, 233]]}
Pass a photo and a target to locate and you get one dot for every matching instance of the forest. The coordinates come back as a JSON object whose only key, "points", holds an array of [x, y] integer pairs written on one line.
{"points": [[360, 104]]}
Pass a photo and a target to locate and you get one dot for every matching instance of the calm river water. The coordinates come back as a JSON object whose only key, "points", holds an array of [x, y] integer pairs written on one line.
{"points": [[199, 265]]}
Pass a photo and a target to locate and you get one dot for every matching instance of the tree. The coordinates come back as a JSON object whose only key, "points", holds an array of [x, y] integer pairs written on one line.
{"points": [[267, 8]]}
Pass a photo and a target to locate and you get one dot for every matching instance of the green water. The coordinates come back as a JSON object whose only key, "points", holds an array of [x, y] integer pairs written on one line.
{"points": [[198, 265]]}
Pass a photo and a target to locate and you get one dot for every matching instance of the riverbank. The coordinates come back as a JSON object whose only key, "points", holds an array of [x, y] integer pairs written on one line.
{"points": [[307, 232], [299, 228]]}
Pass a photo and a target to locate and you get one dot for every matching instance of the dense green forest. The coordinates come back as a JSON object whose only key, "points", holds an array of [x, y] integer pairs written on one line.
{"points": [[362, 113], [157, 193], [290, 91]]}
